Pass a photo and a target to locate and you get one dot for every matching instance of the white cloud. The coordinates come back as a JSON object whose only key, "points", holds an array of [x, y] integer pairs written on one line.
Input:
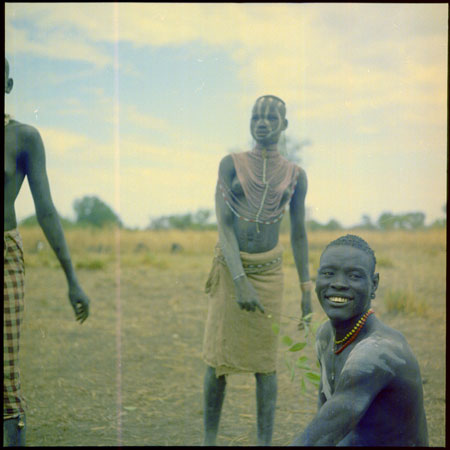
{"points": [[307, 53], [138, 181], [370, 180], [150, 192], [55, 45], [374, 70], [69, 150], [62, 141], [146, 121]]}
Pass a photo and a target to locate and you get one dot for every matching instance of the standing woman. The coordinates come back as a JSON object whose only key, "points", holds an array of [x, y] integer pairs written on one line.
{"points": [[246, 280]]}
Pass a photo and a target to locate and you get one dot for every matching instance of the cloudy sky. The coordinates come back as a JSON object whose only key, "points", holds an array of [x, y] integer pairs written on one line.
{"points": [[137, 103]]}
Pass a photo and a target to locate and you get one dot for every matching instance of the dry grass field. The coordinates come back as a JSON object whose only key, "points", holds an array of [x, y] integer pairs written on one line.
{"points": [[132, 374]]}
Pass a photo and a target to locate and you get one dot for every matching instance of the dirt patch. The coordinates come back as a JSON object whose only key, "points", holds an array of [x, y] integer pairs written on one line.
{"points": [[133, 373]]}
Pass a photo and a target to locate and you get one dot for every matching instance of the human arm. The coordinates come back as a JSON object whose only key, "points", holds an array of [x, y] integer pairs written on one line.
{"points": [[299, 239], [359, 383], [246, 295], [322, 337], [48, 219]]}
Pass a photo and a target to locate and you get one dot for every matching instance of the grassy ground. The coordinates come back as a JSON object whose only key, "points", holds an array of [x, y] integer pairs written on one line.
{"points": [[133, 374]]}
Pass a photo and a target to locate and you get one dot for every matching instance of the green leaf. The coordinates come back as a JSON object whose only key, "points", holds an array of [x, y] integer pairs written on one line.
{"points": [[308, 316], [302, 386], [312, 376], [129, 408], [303, 366], [288, 363], [275, 328], [292, 374], [286, 340], [298, 346], [302, 359]]}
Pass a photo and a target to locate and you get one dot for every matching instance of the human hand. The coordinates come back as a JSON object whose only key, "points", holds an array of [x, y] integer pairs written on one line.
{"points": [[306, 310], [246, 295], [80, 303]]}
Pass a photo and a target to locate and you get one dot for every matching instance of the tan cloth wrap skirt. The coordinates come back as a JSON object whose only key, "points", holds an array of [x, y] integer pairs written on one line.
{"points": [[13, 309], [236, 340]]}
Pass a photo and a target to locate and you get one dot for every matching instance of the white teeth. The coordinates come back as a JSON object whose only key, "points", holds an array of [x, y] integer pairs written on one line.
{"points": [[338, 300]]}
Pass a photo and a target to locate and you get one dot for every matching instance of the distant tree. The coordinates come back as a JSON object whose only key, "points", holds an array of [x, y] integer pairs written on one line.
{"points": [[332, 225], [201, 217], [159, 223], [408, 221], [313, 225], [387, 221], [93, 211], [366, 223], [181, 221], [439, 223], [411, 221], [31, 221], [198, 221]]}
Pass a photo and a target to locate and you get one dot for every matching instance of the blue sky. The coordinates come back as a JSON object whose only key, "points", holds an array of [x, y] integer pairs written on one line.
{"points": [[137, 103]]}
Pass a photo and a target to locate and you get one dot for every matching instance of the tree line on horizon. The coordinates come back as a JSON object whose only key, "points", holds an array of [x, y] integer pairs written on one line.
{"points": [[90, 211]]}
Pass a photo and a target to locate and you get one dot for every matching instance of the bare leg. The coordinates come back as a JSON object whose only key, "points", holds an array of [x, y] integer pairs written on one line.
{"points": [[14, 432], [213, 395], [266, 399]]}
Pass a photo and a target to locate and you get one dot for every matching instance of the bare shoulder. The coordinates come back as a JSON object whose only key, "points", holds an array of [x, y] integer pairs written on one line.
{"points": [[324, 331], [384, 351], [323, 336], [301, 173], [26, 135], [226, 166], [302, 180], [226, 162], [23, 129]]}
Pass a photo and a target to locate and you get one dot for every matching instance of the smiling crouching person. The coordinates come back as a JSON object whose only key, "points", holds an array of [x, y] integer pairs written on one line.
{"points": [[371, 389]]}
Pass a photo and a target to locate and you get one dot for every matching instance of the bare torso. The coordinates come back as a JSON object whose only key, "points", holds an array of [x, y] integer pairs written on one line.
{"points": [[15, 169], [251, 237], [395, 415], [25, 157], [238, 235]]}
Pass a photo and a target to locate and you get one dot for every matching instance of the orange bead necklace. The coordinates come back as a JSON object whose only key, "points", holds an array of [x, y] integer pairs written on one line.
{"points": [[351, 335]]}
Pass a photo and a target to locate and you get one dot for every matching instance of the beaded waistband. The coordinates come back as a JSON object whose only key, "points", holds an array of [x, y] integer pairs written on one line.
{"points": [[251, 267]]}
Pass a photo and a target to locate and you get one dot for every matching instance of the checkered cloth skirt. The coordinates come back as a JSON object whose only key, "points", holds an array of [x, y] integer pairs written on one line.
{"points": [[13, 307]]}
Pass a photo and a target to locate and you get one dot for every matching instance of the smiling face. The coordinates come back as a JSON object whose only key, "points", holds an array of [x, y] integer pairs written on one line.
{"points": [[268, 120], [345, 282]]}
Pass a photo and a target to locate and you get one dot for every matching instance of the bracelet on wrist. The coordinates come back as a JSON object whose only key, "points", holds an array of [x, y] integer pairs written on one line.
{"points": [[238, 276], [306, 286]]}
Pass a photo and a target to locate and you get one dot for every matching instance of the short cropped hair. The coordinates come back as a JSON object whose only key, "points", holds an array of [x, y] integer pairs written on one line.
{"points": [[277, 99], [356, 242], [272, 96]]}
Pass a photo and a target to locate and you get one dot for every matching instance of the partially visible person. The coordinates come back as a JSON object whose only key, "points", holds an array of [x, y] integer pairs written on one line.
{"points": [[25, 157], [246, 280], [371, 389]]}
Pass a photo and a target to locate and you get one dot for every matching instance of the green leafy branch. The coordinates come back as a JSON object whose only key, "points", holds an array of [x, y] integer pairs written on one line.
{"points": [[301, 365]]}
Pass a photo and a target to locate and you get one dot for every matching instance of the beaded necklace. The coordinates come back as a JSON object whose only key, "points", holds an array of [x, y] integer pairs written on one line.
{"points": [[265, 177], [351, 335]]}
